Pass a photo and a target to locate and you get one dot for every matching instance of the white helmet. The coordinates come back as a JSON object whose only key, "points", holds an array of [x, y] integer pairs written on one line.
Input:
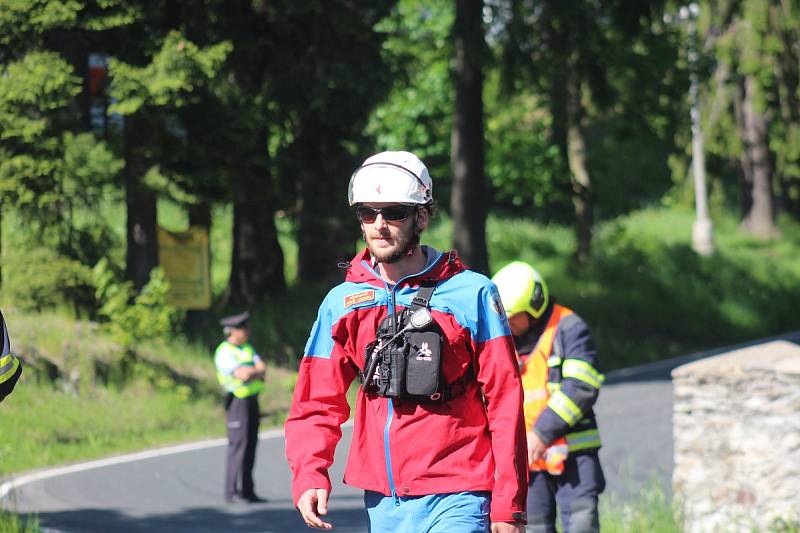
{"points": [[391, 177]]}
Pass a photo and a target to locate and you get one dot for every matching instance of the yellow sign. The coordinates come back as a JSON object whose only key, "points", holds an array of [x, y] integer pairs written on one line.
{"points": [[183, 256]]}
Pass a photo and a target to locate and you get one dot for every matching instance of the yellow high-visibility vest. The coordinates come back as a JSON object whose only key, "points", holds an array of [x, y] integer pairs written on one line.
{"points": [[245, 355]]}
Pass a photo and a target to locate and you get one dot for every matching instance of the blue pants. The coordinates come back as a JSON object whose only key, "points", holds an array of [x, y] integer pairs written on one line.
{"points": [[575, 492], [465, 512]]}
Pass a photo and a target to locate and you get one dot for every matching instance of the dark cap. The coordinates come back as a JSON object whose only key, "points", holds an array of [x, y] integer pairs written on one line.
{"points": [[235, 321]]}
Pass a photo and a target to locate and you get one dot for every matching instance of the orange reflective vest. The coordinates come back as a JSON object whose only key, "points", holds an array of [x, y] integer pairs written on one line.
{"points": [[536, 394]]}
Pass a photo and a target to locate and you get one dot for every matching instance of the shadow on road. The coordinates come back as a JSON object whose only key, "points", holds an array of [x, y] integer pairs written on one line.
{"points": [[198, 520]]}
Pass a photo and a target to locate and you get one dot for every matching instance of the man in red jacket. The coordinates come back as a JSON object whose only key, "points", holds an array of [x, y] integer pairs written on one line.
{"points": [[438, 440]]}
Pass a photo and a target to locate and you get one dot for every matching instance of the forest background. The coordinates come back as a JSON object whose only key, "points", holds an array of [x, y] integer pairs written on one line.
{"points": [[558, 132]]}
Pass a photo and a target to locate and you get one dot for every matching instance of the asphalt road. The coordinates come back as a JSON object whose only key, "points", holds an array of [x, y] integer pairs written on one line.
{"points": [[180, 490]]}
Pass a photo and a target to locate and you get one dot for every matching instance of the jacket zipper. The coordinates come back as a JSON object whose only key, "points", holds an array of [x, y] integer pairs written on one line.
{"points": [[389, 403]]}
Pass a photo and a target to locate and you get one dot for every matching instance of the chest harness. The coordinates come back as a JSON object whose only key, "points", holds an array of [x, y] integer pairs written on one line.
{"points": [[405, 359]]}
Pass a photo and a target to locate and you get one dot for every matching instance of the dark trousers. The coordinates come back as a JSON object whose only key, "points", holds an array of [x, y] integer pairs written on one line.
{"points": [[575, 492], [242, 416]]}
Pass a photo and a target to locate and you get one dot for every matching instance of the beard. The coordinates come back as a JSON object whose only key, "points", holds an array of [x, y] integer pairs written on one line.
{"points": [[404, 244]]}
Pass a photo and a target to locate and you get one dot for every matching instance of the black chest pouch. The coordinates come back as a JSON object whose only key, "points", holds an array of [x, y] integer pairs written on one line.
{"points": [[405, 359]]}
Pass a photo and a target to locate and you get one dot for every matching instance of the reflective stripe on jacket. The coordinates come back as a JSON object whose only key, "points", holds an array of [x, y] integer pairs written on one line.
{"points": [[245, 355]]}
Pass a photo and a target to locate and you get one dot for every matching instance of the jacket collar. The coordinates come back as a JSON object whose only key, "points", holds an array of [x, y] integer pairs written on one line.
{"points": [[446, 265]]}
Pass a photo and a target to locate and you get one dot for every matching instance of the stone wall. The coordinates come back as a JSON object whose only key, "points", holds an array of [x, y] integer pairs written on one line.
{"points": [[736, 427]]}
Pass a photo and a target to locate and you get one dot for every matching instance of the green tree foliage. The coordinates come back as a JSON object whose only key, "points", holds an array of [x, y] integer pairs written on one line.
{"points": [[630, 89], [49, 172], [417, 112], [753, 54], [172, 77], [41, 278], [34, 91], [328, 76], [268, 107], [131, 316], [525, 168]]}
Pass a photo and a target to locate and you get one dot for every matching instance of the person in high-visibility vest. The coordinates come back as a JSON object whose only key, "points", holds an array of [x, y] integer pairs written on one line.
{"points": [[558, 362], [240, 371], [10, 367]]}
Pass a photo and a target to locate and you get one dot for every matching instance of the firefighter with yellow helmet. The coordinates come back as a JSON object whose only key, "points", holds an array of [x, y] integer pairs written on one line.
{"points": [[10, 367], [558, 362]]}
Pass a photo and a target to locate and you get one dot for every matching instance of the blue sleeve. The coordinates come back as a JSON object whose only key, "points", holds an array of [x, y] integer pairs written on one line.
{"points": [[492, 319], [320, 340]]}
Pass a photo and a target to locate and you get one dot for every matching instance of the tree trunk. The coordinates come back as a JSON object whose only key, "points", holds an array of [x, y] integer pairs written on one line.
{"points": [[468, 203], [759, 215], [140, 204], [200, 215], [576, 157], [326, 229], [257, 258]]}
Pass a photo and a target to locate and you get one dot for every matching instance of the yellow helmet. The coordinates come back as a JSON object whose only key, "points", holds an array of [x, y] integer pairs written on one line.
{"points": [[521, 288]]}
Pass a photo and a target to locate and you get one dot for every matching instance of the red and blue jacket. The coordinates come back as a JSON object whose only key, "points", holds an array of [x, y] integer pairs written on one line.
{"points": [[473, 442]]}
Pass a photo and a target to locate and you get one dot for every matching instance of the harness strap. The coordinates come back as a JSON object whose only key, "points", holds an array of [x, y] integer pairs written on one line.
{"points": [[423, 297]]}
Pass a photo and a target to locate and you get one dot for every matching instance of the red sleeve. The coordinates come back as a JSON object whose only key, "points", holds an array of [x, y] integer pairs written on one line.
{"points": [[498, 375], [319, 408]]}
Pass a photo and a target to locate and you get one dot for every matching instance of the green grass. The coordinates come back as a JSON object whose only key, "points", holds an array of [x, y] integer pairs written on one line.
{"points": [[97, 422], [81, 396], [652, 511], [12, 523]]}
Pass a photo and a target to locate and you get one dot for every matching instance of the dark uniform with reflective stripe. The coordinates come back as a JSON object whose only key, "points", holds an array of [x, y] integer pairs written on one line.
{"points": [[10, 367], [574, 384]]}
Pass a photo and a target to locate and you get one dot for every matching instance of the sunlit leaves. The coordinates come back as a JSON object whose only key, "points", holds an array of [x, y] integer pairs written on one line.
{"points": [[178, 68]]}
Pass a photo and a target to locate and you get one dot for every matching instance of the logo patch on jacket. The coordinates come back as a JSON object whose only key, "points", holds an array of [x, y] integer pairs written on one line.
{"points": [[359, 297], [424, 353], [496, 304]]}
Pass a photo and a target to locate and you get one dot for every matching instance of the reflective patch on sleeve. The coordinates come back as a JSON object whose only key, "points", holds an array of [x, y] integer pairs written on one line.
{"points": [[565, 408], [553, 360], [9, 369], [583, 371], [583, 440]]}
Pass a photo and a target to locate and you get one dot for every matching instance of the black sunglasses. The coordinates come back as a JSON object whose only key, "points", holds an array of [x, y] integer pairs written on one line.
{"points": [[392, 213]]}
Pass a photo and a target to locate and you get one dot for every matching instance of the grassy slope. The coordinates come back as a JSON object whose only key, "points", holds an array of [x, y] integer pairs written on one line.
{"points": [[80, 398]]}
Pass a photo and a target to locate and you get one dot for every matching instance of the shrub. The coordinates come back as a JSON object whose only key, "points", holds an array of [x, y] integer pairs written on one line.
{"points": [[135, 317], [42, 278]]}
